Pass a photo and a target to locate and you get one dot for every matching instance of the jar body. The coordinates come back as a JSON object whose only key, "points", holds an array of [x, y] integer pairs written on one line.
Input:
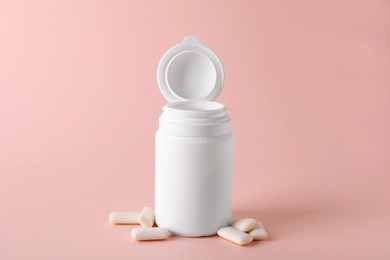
{"points": [[193, 178]]}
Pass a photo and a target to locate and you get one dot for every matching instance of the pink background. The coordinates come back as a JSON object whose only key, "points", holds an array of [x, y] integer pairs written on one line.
{"points": [[307, 86]]}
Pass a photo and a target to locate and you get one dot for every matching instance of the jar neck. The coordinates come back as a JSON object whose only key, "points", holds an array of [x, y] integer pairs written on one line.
{"points": [[195, 118]]}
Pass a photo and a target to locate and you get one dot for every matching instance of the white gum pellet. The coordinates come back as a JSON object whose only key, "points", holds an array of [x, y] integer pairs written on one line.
{"points": [[235, 235], [244, 224], [149, 233], [124, 217], [146, 218], [258, 232]]}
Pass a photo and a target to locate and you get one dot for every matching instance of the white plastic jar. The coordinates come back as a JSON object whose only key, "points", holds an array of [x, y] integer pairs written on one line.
{"points": [[194, 144]]}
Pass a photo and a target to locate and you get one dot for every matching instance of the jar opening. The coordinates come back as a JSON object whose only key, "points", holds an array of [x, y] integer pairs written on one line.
{"points": [[195, 118], [194, 106]]}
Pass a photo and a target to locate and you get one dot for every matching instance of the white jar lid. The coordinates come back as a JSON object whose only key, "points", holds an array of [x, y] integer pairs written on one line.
{"points": [[190, 71]]}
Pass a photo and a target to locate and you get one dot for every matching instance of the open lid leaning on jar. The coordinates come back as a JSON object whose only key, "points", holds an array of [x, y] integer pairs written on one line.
{"points": [[190, 71]]}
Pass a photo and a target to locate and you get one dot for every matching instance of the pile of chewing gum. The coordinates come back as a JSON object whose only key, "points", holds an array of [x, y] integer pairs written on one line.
{"points": [[242, 231]]}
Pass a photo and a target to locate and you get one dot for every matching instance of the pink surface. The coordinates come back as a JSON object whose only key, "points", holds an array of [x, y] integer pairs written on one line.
{"points": [[308, 88]]}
